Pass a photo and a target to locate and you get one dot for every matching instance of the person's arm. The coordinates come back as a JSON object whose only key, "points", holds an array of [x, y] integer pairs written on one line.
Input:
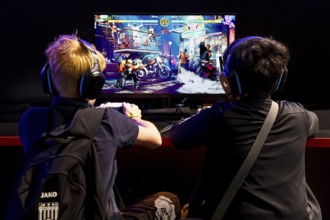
{"points": [[192, 132], [148, 135], [313, 122]]}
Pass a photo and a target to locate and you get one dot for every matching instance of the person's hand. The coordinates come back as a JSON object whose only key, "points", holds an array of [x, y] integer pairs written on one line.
{"points": [[91, 102], [131, 110], [184, 211]]}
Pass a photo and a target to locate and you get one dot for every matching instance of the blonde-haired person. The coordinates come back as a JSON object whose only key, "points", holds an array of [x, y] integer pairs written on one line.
{"points": [[68, 58], [74, 68]]}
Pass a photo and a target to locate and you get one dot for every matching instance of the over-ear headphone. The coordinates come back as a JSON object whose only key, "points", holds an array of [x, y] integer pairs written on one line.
{"points": [[230, 80], [90, 84], [281, 80]]}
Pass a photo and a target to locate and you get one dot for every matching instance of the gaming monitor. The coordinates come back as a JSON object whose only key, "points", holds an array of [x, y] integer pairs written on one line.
{"points": [[142, 53]]}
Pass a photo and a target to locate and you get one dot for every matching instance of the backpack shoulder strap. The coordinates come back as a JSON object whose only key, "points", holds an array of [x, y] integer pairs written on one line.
{"points": [[247, 163], [86, 121]]}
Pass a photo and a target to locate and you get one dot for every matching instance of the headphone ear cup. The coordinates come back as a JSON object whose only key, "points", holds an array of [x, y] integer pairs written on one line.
{"points": [[231, 84], [47, 82], [281, 81], [225, 84], [91, 84], [231, 74]]}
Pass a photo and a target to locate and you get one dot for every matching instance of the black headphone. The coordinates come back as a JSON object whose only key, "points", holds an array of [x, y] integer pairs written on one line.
{"points": [[230, 80], [90, 84]]}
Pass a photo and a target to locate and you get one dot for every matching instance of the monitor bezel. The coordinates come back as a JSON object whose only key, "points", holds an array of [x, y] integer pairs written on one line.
{"points": [[165, 100]]}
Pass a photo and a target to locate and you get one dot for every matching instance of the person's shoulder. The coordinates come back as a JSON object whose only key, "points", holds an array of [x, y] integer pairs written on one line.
{"points": [[112, 113], [33, 115], [35, 112], [220, 106], [291, 107]]}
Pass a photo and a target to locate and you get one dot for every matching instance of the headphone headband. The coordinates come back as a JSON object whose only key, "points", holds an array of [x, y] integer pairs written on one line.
{"points": [[87, 45], [233, 48]]}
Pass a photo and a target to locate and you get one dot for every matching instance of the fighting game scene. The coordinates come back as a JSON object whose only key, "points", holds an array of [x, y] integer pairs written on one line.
{"points": [[163, 54]]}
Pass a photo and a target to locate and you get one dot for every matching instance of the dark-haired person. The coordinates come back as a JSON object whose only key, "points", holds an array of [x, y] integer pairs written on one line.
{"points": [[275, 188], [70, 61]]}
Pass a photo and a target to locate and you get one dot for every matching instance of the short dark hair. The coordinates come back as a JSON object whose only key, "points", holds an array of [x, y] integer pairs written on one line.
{"points": [[258, 62]]}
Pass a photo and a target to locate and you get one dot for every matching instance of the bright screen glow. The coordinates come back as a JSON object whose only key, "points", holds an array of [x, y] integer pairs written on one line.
{"points": [[142, 52]]}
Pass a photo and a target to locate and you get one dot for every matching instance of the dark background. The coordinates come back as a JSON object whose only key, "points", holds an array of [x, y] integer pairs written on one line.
{"points": [[27, 27]]}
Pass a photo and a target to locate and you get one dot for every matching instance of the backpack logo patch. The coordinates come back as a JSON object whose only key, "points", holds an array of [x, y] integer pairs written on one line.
{"points": [[48, 195], [48, 211]]}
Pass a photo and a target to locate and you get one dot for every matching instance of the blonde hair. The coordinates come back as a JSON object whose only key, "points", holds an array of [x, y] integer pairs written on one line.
{"points": [[68, 58]]}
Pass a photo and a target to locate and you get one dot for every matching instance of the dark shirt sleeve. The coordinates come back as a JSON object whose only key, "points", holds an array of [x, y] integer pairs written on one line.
{"points": [[314, 124], [309, 118], [119, 129], [32, 126], [192, 132]]}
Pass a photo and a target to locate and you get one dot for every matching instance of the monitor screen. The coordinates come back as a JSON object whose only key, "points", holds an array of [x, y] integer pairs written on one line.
{"points": [[163, 54]]}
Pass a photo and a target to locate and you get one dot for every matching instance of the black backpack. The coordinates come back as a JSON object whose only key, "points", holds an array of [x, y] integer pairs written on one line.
{"points": [[59, 177]]}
